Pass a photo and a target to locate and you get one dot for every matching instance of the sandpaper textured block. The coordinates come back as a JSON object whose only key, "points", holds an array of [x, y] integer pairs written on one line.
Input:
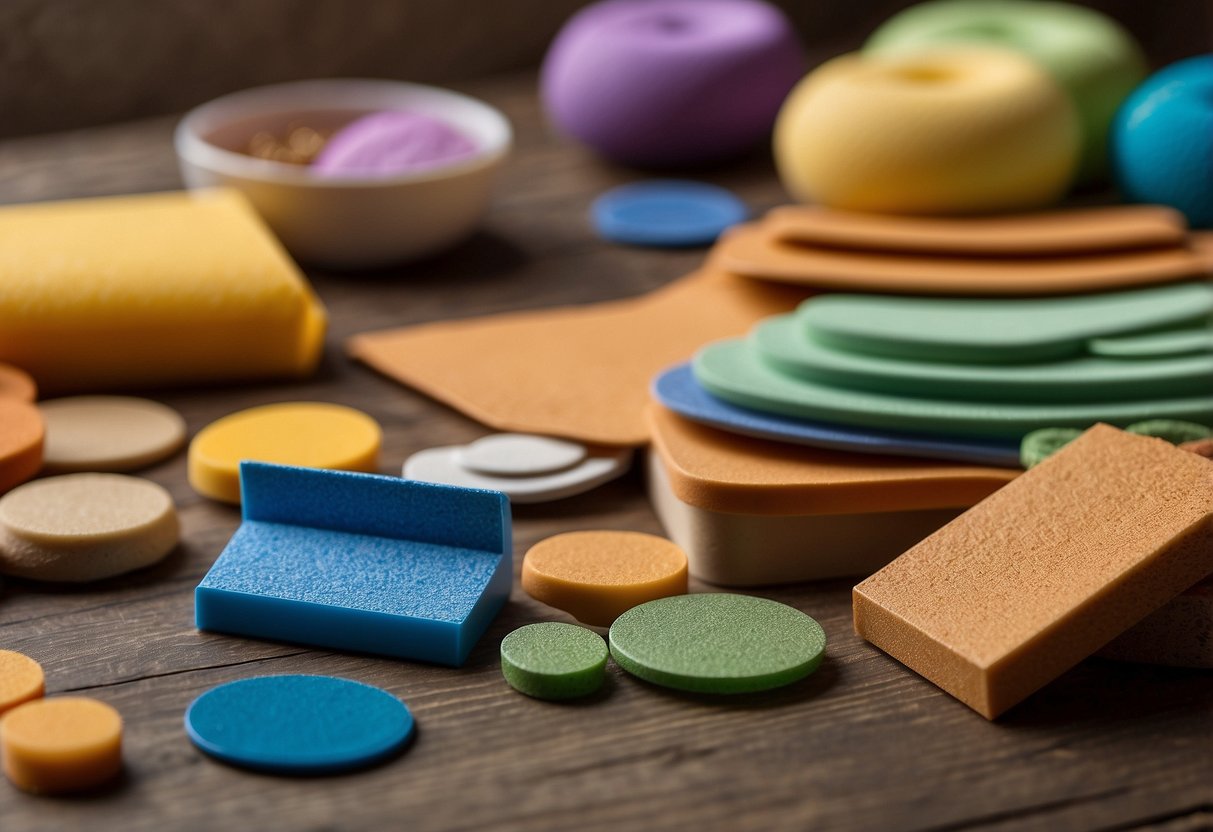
{"points": [[361, 562], [751, 249], [1047, 570], [1087, 230], [161, 289], [1180, 633], [581, 372]]}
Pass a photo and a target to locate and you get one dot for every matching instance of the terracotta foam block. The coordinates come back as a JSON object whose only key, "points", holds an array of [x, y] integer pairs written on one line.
{"points": [[753, 250], [1112, 228], [576, 372], [1047, 570]]}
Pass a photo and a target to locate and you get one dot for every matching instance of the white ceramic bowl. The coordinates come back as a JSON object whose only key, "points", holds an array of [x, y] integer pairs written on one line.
{"points": [[343, 222]]}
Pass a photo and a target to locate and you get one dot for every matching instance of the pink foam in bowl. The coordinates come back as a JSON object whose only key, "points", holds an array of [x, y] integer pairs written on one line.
{"points": [[391, 143]]}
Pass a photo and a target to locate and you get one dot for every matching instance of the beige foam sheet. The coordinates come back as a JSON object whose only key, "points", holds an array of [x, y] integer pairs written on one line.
{"points": [[581, 373]]}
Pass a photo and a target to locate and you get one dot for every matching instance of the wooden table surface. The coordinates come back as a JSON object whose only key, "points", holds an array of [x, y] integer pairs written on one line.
{"points": [[863, 744]]}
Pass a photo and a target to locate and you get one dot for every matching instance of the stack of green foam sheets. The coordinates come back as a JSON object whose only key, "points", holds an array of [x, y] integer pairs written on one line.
{"points": [[968, 368]]}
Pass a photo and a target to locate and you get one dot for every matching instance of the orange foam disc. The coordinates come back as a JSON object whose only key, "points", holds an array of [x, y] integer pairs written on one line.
{"points": [[60, 745], [15, 383], [21, 436], [21, 680]]}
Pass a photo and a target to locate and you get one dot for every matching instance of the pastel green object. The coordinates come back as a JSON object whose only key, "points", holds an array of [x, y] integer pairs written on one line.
{"points": [[551, 660], [1155, 344], [717, 643], [999, 331], [733, 371], [786, 344], [1039, 445], [1172, 430], [1091, 56]]}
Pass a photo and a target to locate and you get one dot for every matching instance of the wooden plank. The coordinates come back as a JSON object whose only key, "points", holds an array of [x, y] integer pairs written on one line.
{"points": [[863, 744]]}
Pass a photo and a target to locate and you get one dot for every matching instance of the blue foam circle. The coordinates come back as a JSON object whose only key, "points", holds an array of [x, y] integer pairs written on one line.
{"points": [[670, 213], [677, 390], [298, 724]]}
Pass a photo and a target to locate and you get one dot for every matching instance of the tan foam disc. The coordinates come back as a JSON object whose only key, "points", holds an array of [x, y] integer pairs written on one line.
{"points": [[108, 433], [85, 527]]}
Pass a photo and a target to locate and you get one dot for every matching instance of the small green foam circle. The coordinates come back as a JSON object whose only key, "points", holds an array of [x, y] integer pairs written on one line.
{"points": [[551, 660], [717, 643], [1041, 444], [1174, 431]]}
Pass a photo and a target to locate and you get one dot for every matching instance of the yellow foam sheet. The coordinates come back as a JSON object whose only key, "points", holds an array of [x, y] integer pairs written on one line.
{"points": [[577, 372], [159, 289]]}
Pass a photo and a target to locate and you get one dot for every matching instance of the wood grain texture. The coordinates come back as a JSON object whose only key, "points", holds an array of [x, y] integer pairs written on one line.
{"points": [[861, 745]]}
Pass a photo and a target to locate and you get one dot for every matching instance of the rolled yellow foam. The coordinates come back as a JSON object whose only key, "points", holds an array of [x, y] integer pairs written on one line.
{"points": [[160, 289]]}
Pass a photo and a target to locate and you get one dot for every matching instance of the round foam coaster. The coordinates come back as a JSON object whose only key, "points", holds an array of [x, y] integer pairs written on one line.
{"points": [[21, 440], [595, 576], [666, 213], [717, 643], [298, 724], [15, 383], [108, 433], [1041, 444], [309, 434], [519, 455], [551, 660], [61, 745], [1174, 431], [21, 680], [84, 527]]}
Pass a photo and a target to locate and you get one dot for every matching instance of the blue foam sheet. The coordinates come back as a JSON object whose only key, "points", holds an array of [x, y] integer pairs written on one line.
{"points": [[298, 724], [361, 562], [677, 390], [669, 213]]}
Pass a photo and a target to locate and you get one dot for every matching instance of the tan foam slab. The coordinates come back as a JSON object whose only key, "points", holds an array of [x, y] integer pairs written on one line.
{"points": [[579, 373], [1180, 633], [108, 433], [85, 527], [754, 251], [719, 471], [1047, 570], [1083, 231]]}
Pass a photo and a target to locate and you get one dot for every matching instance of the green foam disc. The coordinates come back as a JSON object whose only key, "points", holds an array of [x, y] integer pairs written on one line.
{"points": [[551, 660], [1041, 444], [1172, 430], [717, 643]]}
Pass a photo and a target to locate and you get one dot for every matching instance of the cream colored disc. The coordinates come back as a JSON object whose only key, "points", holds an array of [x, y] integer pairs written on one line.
{"points": [[108, 433]]}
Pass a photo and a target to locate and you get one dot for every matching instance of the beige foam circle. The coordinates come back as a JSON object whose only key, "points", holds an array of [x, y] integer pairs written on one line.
{"points": [[108, 433], [85, 527]]}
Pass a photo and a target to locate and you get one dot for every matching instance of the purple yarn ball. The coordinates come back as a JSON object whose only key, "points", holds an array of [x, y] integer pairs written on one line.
{"points": [[668, 83]]}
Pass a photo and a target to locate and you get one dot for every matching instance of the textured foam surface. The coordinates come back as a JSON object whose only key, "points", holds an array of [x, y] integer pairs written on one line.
{"points": [[22, 437], [124, 291], [108, 433], [552, 660], [21, 680], [61, 745], [85, 527], [732, 370], [448, 465], [753, 250], [724, 472], [1047, 570], [666, 213], [1090, 230], [311, 434], [361, 562], [568, 372], [597, 575], [677, 390], [298, 724], [717, 643], [1180, 633], [1000, 331]]}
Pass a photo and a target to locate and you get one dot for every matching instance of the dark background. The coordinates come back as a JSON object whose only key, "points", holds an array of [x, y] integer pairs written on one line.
{"points": [[74, 63]]}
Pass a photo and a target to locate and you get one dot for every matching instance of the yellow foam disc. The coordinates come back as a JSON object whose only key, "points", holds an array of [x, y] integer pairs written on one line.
{"points": [[311, 434], [21, 680], [65, 744]]}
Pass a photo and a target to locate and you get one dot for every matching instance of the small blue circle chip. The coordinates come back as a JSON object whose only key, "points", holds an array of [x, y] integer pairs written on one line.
{"points": [[298, 724], [666, 213]]}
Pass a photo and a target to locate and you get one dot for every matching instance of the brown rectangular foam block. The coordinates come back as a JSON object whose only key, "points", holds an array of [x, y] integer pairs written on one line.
{"points": [[577, 372], [1047, 570], [753, 250], [1077, 231]]}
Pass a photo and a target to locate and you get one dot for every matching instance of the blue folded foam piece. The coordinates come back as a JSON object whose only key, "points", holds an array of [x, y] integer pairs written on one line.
{"points": [[361, 562], [677, 390]]}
